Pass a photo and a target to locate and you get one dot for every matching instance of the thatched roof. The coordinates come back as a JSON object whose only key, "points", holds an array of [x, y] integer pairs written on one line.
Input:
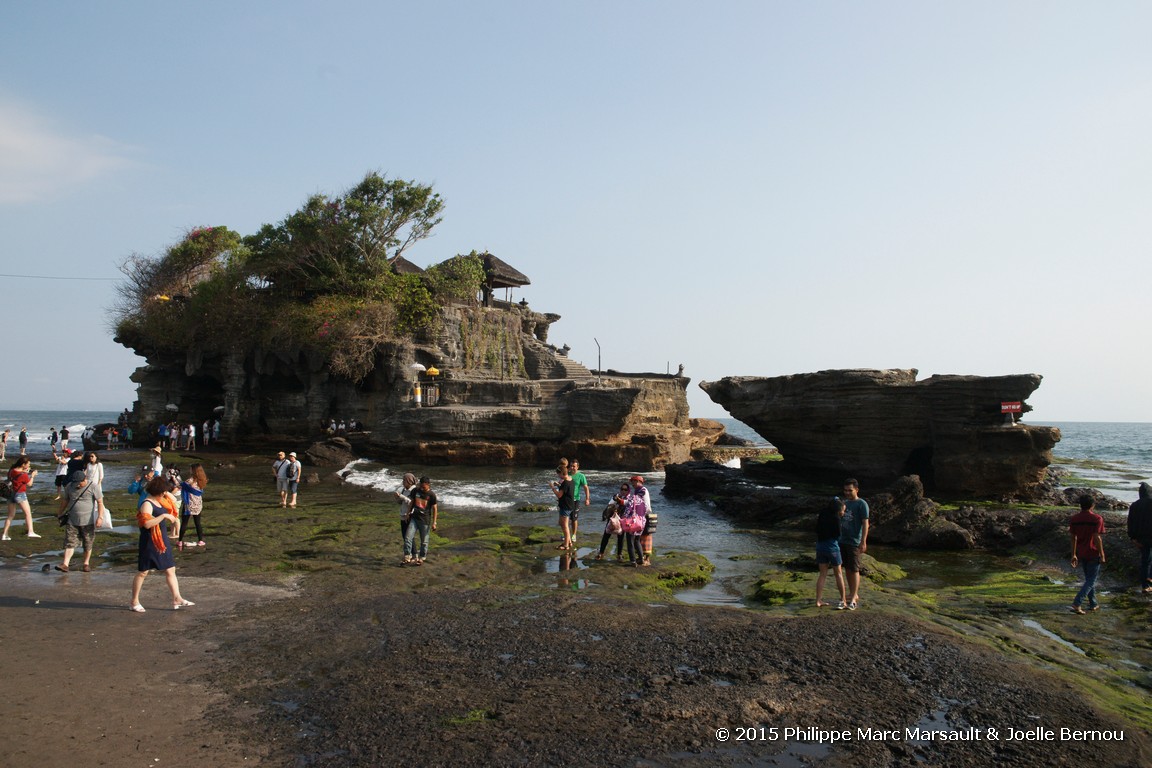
{"points": [[402, 266], [500, 275]]}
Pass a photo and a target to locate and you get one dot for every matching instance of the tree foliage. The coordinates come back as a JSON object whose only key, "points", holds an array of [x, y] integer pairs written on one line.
{"points": [[321, 279], [345, 244]]}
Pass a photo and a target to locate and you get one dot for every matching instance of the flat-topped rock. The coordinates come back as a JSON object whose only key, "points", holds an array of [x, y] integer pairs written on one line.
{"points": [[878, 425]]}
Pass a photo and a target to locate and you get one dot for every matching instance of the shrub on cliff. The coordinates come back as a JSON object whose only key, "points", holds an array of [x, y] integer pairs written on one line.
{"points": [[321, 280]]}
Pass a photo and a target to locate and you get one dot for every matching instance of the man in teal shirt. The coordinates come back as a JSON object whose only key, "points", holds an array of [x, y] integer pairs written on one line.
{"points": [[579, 482], [853, 538]]}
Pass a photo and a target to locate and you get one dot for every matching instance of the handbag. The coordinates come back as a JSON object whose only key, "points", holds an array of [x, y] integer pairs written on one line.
{"points": [[62, 518], [613, 526]]}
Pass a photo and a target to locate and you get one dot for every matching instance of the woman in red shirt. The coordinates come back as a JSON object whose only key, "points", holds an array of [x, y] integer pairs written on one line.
{"points": [[22, 480]]}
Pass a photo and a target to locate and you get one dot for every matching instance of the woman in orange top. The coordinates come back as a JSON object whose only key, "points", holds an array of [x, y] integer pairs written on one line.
{"points": [[155, 549]]}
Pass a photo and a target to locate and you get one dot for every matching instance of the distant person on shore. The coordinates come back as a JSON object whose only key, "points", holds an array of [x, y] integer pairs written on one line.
{"points": [[565, 502], [64, 437], [192, 498], [828, 551], [4, 443], [192, 436], [21, 475], [157, 463], [579, 485], [403, 491], [61, 473], [53, 439], [292, 472], [612, 526], [424, 511], [1087, 529], [82, 515], [853, 539], [280, 472], [155, 548], [1140, 531], [23, 440]]}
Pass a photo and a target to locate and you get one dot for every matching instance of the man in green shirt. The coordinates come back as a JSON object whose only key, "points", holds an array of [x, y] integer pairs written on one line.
{"points": [[579, 483]]}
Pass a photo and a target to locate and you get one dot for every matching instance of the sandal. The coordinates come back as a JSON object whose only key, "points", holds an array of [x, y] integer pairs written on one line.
{"points": [[87, 568], [63, 568], [137, 608], [181, 604]]}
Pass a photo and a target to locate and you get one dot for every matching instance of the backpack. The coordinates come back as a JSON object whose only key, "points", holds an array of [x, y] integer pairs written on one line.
{"points": [[7, 490]]}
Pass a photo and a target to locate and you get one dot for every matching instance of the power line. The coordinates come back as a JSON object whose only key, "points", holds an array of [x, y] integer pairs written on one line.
{"points": [[58, 277]]}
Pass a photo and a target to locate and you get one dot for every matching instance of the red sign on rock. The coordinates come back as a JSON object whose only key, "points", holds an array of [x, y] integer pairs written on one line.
{"points": [[1016, 407]]}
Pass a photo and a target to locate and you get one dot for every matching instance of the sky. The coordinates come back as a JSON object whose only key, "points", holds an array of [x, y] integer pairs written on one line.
{"points": [[745, 188]]}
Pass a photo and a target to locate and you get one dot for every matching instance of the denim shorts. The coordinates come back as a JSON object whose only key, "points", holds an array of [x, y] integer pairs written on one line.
{"points": [[22, 496], [828, 553]]}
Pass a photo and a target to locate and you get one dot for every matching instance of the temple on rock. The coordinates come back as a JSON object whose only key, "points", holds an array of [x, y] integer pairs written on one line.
{"points": [[501, 394]]}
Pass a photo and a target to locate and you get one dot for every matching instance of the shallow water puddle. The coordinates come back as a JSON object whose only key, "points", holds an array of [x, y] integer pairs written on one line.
{"points": [[1035, 625]]}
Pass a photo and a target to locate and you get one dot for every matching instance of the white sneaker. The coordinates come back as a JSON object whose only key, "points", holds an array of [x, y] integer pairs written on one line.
{"points": [[6, 538], [33, 535]]}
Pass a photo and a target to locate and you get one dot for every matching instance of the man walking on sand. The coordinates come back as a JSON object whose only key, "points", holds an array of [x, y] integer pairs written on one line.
{"points": [[853, 538]]}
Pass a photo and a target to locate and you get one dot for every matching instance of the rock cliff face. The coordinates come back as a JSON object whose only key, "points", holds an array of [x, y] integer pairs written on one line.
{"points": [[503, 397], [879, 425]]}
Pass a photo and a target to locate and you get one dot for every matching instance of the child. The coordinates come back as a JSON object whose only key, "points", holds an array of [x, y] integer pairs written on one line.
{"points": [[828, 551], [1087, 529]]}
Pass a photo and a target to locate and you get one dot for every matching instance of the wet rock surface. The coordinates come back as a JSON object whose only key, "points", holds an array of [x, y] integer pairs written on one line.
{"points": [[497, 677]]}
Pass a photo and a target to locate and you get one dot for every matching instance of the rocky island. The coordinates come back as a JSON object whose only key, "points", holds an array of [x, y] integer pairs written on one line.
{"points": [[959, 434], [320, 318]]}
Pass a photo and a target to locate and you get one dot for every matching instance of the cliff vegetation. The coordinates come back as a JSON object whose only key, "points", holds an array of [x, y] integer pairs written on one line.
{"points": [[328, 280]]}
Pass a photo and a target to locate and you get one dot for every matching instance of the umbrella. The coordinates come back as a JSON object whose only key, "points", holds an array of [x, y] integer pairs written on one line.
{"points": [[218, 409], [417, 367], [172, 407]]}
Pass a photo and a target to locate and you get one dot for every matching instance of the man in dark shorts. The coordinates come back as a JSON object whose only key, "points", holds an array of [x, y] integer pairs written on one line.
{"points": [[853, 538]]}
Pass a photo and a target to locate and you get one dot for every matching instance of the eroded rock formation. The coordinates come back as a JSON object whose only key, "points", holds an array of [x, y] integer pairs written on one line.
{"points": [[878, 425], [503, 397]]}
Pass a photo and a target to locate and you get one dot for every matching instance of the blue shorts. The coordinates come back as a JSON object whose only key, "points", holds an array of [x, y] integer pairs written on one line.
{"points": [[566, 512], [828, 553], [19, 497]]}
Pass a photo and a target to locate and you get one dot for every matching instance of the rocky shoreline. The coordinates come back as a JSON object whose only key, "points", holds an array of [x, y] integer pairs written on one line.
{"points": [[479, 658]]}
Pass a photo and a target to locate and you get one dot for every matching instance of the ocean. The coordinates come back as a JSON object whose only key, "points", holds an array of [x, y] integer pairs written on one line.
{"points": [[1114, 457]]}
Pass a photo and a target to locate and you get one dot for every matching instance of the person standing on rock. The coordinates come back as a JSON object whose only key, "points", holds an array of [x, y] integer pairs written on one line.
{"points": [[407, 483], [828, 551], [853, 539], [1140, 531], [565, 501], [1087, 529], [64, 437], [280, 472], [579, 483], [424, 511], [23, 440], [293, 474]]}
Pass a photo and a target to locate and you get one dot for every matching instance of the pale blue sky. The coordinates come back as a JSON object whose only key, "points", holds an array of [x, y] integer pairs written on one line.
{"points": [[747, 188]]}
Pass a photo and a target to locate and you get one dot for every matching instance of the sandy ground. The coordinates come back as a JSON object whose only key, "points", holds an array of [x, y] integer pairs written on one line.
{"points": [[88, 682]]}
